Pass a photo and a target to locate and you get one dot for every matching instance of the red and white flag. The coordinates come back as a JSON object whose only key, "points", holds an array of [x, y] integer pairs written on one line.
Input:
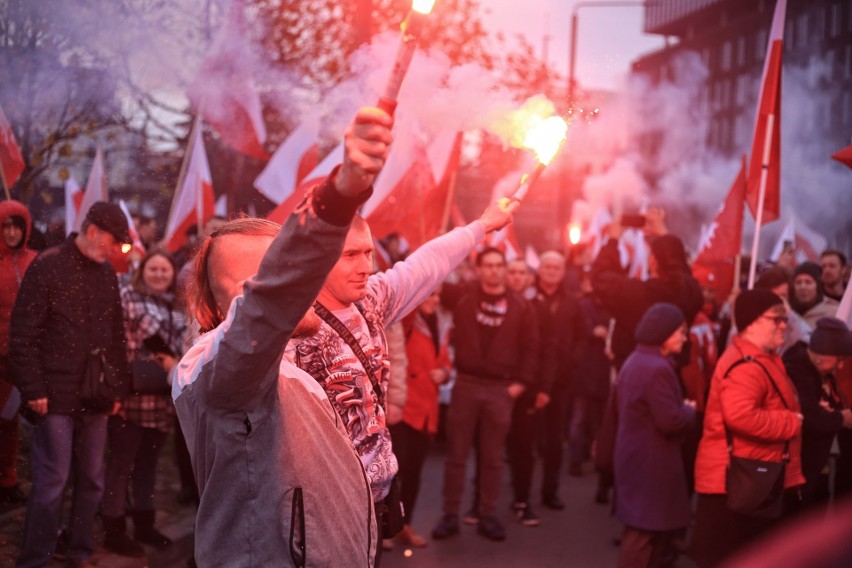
{"points": [[766, 145], [11, 161], [73, 199], [280, 213], [224, 92], [96, 189], [721, 243], [417, 206], [844, 156], [131, 227], [193, 202], [807, 243], [294, 159]]}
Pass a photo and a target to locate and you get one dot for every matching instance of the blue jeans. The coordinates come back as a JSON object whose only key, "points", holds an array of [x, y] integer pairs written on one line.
{"points": [[56, 439]]}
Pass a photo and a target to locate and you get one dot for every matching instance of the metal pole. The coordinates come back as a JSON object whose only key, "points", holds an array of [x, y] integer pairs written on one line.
{"points": [[761, 197]]}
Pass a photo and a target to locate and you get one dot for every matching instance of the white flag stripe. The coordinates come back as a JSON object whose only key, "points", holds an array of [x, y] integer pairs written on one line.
{"points": [[278, 179], [71, 188], [188, 195], [95, 188]]}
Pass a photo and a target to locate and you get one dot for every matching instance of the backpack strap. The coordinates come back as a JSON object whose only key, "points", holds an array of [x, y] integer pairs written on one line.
{"points": [[371, 367]]}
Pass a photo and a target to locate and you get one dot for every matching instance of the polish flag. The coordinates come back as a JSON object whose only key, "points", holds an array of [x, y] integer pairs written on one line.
{"points": [[131, 227], [844, 156], [317, 175], [294, 159], [224, 91], [721, 243], [417, 207], [766, 145], [807, 243], [73, 199], [96, 189], [11, 161], [193, 202]]}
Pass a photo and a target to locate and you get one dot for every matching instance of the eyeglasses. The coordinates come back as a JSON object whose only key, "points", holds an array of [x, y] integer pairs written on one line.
{"points": [[778, 319]]}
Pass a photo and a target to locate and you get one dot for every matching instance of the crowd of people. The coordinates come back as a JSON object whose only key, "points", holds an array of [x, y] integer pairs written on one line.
{"points": [[304, 388]]}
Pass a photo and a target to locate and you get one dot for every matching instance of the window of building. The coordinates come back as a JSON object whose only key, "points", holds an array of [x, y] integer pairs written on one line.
{"points": [[725, 64], [819, 23], [836, 24], [848, 73], [726, 93], [741, 51], [705, 57], [846, 108], [760, 44], [740, 97], [802, 30]]}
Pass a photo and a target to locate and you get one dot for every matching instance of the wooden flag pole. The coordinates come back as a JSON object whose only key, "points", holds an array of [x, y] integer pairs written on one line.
{"points": [[761, 197], [5, 187]]}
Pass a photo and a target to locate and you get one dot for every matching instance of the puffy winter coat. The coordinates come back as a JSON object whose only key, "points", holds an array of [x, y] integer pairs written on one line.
{"points": [[759, 421]]}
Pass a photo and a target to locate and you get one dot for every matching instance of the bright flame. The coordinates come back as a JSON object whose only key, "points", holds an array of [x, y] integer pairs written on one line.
{"points": [[574, 233], [546, 137], [125, 248], [422, 6]]}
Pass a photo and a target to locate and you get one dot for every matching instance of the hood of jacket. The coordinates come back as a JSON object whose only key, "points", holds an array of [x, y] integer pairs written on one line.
{"points": [[11, 208]]}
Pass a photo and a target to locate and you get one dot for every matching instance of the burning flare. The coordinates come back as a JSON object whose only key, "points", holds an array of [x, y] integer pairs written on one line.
{"points": [[574, 233], [423, 6], [545, 138]]}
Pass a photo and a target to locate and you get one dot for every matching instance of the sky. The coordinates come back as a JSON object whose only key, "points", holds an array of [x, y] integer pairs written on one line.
{"points": [[609, 38]]}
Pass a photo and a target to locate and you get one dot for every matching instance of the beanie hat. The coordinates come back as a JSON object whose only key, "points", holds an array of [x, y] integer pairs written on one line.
{"points": [[831, 337], [751, 304], [669, 252], [812, 269], [659, 323], [109, 217]]}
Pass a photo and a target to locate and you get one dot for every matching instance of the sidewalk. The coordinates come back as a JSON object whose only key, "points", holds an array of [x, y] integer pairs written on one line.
{"points": [[173, 519]]}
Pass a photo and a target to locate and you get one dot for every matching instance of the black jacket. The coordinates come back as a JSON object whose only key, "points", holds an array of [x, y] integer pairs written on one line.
{"points": [[627, 298], [67, 305], [820, 425], [513, 355], [558, 332]]}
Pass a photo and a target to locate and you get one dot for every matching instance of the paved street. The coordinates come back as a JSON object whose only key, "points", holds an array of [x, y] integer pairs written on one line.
{"points": [[581, 536]]}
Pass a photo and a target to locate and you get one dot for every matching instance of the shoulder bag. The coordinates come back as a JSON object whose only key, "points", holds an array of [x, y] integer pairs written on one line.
{"points": [[755, 487]]}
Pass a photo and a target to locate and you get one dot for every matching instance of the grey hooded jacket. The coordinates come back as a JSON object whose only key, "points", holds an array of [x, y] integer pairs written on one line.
{"points": [[280, 482]]}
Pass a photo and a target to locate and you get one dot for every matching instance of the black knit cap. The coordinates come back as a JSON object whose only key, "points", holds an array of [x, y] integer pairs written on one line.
{"points": [[812, 269], [751, 304], [831, 337], [109, 217], [659, 323]]}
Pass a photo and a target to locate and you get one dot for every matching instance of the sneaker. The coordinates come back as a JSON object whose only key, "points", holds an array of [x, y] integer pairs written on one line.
{"points": [[490, 528], [471, 517], [524, 514], [553, 502], [408, 536], [446, 527]]}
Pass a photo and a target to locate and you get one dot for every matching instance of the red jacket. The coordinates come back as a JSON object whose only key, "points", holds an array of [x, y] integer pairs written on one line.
{"points": [[421, 405], [758, 420], [13, 264]]}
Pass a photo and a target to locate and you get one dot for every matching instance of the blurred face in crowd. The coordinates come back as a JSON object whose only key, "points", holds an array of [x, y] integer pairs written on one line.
{"points": [[158, 274], [767, 331], [826, 364], [491, 271], [234, 259], [97, 244], [211, 225], [147, 230], [675, 341], [12, 234], [805, 289], [517, 275], [347, 281], [551, 269], [832, 270]]}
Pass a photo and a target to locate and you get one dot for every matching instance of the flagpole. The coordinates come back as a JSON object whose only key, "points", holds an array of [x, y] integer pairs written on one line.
{"points": [[448, 204], [761, 197], [5, 187]]}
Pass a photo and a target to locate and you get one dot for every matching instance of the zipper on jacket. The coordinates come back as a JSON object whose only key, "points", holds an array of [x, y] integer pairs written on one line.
{"points": [[297, 529]]}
